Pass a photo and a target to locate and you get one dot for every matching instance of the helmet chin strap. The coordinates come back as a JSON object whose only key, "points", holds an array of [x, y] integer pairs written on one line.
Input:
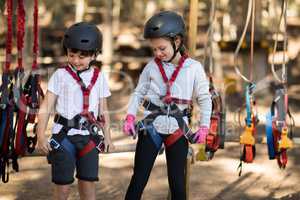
{"points": [[78, 72], [175, 50]]}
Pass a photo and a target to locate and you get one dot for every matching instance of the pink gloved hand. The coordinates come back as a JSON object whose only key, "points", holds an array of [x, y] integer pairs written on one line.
{"points": [[200, 135], [128, 127]]}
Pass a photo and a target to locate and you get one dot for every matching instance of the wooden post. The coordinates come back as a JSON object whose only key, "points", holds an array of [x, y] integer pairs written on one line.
{"points": [[79, 10], [107, 36], [193, 25]]}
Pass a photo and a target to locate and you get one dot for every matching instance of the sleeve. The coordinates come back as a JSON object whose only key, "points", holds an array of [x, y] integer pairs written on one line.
{"points": [[203, 97], [140, 91], [104, 87], [53, 85]]}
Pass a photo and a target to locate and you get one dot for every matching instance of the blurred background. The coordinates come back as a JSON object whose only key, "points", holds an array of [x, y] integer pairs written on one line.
{"points": [[124, 55]]}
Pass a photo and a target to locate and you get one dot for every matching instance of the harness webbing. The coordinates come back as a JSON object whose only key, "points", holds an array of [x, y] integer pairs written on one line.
{"points": [[169, 82], [85, 90]]}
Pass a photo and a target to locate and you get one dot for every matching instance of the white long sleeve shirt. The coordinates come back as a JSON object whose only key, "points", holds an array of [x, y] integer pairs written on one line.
{"points": [[190, 83]]}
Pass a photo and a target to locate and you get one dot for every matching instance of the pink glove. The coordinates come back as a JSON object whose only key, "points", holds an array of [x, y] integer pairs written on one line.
{"points": [[128, 127], [200, 135]]}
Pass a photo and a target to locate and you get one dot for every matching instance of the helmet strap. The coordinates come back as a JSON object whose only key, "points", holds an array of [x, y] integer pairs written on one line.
{"points": [[176, 50], [78, 72]]}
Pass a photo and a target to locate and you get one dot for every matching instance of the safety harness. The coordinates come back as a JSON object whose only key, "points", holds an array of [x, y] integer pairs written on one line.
{"points": [[28, 97], [7, 103], [170, 109], [83, 121], [278, 133]]}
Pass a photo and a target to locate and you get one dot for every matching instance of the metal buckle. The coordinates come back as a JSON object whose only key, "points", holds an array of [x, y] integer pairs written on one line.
{"points": [[82, 122], [54, 144]]}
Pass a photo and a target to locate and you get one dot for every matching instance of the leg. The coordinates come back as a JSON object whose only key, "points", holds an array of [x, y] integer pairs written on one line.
{"points": [[87, 190], [61, 192], [145, 155], [87, 168], [176, 156]]}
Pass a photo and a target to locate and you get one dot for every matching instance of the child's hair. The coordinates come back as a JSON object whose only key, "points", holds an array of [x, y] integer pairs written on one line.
{"points": [[83, 53], [84, 37]]}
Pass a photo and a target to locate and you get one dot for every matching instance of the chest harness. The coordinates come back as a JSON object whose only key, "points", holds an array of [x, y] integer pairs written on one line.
{"points": [[83, 121], [170, 109]]}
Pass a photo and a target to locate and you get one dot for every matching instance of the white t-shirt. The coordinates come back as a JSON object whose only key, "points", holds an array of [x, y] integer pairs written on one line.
{"points": [[191, 82], [69, 95]]}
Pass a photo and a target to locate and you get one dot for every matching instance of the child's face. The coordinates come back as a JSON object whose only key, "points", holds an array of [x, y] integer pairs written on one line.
{"points": [[162, 48], [79, 60]]}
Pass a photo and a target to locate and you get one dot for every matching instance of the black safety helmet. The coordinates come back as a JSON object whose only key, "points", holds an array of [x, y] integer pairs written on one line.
{"points": [[84, 37], [166, 24]]}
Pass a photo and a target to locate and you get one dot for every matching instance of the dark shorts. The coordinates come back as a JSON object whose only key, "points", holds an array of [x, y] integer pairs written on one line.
{"points": [[63, 162]]}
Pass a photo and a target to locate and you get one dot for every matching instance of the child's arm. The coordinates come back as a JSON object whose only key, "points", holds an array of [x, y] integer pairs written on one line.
{"points": [[201, 89], [45, 110], [103, 111]]}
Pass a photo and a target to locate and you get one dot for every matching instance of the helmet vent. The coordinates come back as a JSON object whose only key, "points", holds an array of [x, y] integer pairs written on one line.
{"points": [[84, 41]]}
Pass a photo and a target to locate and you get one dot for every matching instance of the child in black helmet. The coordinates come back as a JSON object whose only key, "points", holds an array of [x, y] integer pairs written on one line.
{"points": [[77, 93], [165, 90]]}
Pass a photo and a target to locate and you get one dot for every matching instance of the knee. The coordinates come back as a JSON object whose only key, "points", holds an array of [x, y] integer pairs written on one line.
{"points": [[62, 192]]}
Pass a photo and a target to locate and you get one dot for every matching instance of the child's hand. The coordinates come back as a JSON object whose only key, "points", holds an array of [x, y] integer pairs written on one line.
{"points": [[128, 127], [200, 135], [43, 145]]}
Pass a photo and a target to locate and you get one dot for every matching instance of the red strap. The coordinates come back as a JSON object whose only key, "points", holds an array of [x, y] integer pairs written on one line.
{"points": [[35, 35], [248, 154], [181, 101], [20, 134], [9, 6], [282, 159], [170, 82], [212, 139], [86, 149], [173, 138], [20, 32], [85, 90]]}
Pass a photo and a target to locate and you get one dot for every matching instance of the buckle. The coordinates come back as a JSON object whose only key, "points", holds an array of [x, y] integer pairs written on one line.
{"points": [[82, 122], [54, 144]]}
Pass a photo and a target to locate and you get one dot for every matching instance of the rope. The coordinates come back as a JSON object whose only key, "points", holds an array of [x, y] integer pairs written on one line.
{"points": [[283, 17], [250, 8], [252, 42]]}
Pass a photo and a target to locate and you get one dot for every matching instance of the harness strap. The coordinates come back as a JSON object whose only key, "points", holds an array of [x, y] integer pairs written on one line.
{"points": [[170, 140], [85, 90], [78, 122], [169, 82], [87, 148], [173, 112]]}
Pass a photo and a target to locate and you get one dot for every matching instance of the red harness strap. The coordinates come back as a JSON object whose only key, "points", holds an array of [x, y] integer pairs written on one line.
{"points": [[173, 137], [169, 82], [85, 90], [85, 112]]}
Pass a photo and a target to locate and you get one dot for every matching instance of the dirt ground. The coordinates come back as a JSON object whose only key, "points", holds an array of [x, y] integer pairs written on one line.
{"points": [[213, 180]]}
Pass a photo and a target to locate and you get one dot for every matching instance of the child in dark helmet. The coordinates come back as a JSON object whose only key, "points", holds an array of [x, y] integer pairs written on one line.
{"points": [[77, 94], [165, 90]]}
